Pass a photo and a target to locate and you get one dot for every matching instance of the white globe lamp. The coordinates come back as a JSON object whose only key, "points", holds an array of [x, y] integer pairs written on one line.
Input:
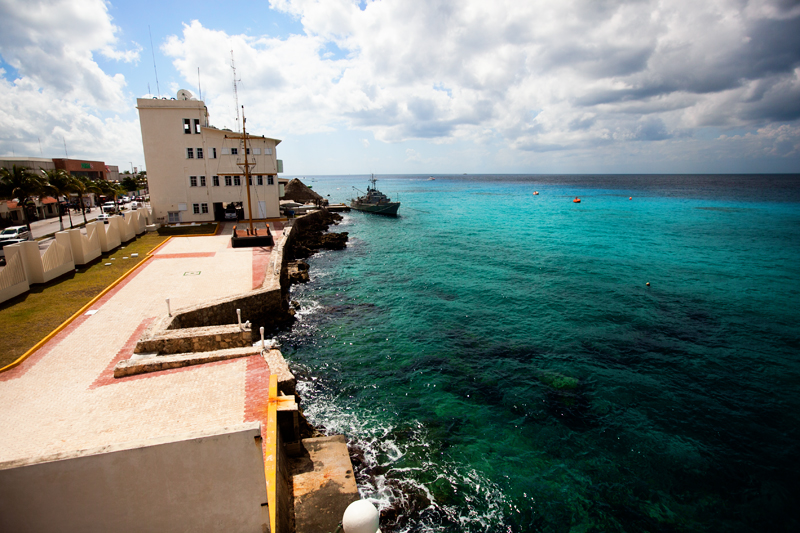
{"points": [[361, 517]]}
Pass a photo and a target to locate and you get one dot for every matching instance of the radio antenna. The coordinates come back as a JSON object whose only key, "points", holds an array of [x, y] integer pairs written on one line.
{"points": [[198, 84], [235, 92], [154, 59]]}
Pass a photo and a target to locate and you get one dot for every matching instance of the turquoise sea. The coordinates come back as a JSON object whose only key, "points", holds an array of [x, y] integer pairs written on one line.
{"points": [[498, 362]]}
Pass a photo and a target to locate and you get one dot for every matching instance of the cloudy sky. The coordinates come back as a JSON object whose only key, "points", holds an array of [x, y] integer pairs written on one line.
{"points": [[419, 86]]}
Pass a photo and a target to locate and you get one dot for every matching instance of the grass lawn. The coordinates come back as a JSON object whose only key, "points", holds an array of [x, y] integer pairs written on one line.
{"points": [[30, 317]]}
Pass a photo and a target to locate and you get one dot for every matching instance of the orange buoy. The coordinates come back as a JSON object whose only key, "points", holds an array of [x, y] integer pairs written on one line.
{"points": [[535, 193], [576, 200], [648, 283], [630, 198]]}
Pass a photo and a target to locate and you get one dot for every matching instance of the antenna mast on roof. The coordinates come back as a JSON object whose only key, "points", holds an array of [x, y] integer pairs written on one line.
{"points": [[154, 59], [235, 92], [198, 84]]}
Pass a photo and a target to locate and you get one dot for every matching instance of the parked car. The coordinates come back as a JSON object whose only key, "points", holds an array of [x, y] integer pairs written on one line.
{"points": [[7, 242], [109, 207], [15, 232], [135, 205], [103, 217]]}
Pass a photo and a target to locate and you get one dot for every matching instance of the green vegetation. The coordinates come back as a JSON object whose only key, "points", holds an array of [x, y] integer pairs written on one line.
{"points": [[30, 317], [23, 184]]}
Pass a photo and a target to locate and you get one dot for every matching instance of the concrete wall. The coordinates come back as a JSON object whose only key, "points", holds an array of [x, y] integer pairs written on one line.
{"points": [[169, 169], [212, 481]]}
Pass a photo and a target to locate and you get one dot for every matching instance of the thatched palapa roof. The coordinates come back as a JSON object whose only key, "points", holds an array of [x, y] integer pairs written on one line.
{"points": [[298, 191]]}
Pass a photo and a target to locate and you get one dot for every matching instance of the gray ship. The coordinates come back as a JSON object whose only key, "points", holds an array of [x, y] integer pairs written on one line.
{"points": [[375, 201]]}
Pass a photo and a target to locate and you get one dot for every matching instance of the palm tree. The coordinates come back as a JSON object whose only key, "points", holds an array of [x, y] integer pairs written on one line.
{"points": [[58, 183], [83, 186], [20, 183]]}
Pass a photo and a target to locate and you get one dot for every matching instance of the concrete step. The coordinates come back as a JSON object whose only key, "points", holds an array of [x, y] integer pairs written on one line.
{"points": [[203, 339], [153, 362]]}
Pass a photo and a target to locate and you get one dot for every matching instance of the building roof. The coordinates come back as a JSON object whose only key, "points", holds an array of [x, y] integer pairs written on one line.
{"points": [[237, 135]]}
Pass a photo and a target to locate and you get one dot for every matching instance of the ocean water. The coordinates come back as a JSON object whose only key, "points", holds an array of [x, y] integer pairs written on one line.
{"points": [[498, 363]]}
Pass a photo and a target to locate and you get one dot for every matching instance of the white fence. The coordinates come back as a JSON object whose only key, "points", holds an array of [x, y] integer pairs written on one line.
{"points": [[54, 262], [12, 279], [26, 265], [109, 234], [85, 248]]}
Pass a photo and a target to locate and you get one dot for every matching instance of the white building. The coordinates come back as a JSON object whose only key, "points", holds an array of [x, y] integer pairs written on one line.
{"points": [[194, 170]]}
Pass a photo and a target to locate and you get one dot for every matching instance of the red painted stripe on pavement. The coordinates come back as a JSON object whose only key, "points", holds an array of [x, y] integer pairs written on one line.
{"points": [[28, 363]]}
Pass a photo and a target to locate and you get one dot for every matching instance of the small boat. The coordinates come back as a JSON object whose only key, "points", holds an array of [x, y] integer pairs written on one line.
{"points": [[375, 202], [576, 200], [431, 179]]}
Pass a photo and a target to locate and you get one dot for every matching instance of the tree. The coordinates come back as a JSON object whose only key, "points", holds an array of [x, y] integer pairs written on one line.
{"points": [[20, 183], [128, 183], [58, 183], [83, 186]]}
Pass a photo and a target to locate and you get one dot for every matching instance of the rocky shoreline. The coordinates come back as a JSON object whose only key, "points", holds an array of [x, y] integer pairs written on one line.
{"points": [[310, 236]]}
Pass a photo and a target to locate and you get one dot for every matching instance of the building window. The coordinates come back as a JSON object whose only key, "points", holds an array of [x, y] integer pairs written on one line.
{"points": [[215, 181], [270, 181], [213, 153], [237, 181], [250, 180], [190, 153], [196, 126], [234, 151], [267, 151], [260, 180], [187, 126], [204, 208], [199, 153], [257, 151], [228, 181], [248, 151], [173, 217], [192, 181], [202, 181], [226, 151], [196, 209]]}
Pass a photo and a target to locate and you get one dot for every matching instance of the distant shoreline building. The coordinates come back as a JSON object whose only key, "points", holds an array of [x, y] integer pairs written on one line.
{"points": [[47, 207], [194, 170]]}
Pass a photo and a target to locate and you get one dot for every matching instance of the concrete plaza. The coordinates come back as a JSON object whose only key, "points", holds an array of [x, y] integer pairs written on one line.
{"points": [[64, 398]]}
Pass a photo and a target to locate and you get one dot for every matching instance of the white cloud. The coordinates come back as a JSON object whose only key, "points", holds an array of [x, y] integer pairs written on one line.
{"points": [[51, 43], [365, 143], [60, 92], [544, 76], [517, 82], [413, 155]]}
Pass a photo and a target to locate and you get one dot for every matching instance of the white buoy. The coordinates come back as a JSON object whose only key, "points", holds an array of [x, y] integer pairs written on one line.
{"points": [[361, 517], [263, 346], [169, 311]]}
